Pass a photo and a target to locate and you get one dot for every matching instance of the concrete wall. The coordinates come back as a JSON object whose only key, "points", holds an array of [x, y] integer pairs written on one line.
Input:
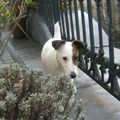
{"points": [[37, 29]]}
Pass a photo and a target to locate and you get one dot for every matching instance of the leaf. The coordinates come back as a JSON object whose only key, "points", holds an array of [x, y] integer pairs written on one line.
{"points": [[28, 2], [10, 97], [2, 105]]}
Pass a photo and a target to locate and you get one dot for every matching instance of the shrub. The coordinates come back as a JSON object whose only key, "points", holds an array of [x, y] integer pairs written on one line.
{"points": [[31, 95]]}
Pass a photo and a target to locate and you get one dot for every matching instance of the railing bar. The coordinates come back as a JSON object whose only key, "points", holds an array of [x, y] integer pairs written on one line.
{"points": [[54, 10], [58, 14], [51, 17], [83, 20], [91, 26], [48, 8], [62, 21], [99, 24], [71, 18], [44, 10], [110, 36], [76, 19], [83, 30], [66, 19]]}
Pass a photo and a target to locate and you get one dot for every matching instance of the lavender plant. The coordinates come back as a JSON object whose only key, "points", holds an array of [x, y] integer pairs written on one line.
{"points": [[31, 95]]}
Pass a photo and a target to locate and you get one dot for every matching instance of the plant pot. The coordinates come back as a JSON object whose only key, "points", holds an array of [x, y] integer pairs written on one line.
{"points": [[17, 32]]}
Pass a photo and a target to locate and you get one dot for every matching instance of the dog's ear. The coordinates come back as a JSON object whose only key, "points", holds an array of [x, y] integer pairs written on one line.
{"points": [[58, 43], [78, 44]]}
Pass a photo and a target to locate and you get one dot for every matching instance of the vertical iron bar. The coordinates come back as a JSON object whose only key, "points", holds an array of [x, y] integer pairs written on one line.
{"points": [[110, 36], [76, 19], [91, 26], [58, 14], [46, 7], [62, 20], [83, 29], [48, 14], [112, 76], [93, 68], [51, 18], [71, 18], [66, 18], [43, 9], [99, 24], [54, 10], [101, 50], [83, 20]]}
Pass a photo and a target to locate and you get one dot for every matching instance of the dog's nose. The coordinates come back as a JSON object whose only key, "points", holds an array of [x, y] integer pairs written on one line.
{"points": [[72, 74]]}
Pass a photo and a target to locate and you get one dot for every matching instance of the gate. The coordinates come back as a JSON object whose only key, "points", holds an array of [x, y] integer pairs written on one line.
{"points": [[76, 22]]}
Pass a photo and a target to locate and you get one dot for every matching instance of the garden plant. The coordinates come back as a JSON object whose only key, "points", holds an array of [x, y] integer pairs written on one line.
{"points": [[33, 95]]}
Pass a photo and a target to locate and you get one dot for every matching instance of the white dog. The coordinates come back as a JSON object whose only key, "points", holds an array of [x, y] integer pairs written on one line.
{"points": [[61, 56]]}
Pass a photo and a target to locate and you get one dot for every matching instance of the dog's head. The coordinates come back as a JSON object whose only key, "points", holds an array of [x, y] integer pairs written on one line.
{"points": [[67, 54]]}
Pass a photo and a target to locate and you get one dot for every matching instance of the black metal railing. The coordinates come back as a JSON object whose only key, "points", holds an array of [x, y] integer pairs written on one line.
{"points": [[76, 22]]}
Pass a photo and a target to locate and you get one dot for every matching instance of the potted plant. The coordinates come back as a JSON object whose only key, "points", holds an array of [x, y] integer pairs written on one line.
{"points": [[15, 13], [5, 13], [18, 24]]}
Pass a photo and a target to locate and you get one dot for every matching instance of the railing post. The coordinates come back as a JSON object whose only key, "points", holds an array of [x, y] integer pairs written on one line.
{"points": [[93, 67], [101, 50], [71, 19], [110, 33], [62, 20], [66, 19], [83, 20], [76, 20], [112, 73], [83, 64], [91, 26]]}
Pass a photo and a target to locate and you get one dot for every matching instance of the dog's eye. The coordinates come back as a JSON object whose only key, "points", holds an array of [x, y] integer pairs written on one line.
{"points": [[65, 58]]}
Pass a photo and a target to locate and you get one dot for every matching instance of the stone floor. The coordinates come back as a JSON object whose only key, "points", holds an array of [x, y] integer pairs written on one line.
{"points": [[98, 104], [29, 52]]}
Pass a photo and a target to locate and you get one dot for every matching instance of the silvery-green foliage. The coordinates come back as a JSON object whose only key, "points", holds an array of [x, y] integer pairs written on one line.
{"points": [[32, 95], [2, 105], [2, 118]]}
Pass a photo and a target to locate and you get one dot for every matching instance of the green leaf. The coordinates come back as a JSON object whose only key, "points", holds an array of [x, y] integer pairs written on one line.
{"points": [[28, 2]]}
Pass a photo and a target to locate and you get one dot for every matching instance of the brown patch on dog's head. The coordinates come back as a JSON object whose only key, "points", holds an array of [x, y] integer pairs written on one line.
{"points": [[77, 46], [58, 43]]}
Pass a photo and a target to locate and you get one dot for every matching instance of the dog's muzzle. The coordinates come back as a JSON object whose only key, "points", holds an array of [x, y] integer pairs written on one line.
{"points": [[73, 74]]}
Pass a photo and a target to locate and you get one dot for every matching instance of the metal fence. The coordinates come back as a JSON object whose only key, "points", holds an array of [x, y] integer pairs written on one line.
{"points": [[76, 22]]}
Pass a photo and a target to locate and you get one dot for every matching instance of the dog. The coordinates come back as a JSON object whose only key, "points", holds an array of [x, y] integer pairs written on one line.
{"points": [[60, 56]]}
